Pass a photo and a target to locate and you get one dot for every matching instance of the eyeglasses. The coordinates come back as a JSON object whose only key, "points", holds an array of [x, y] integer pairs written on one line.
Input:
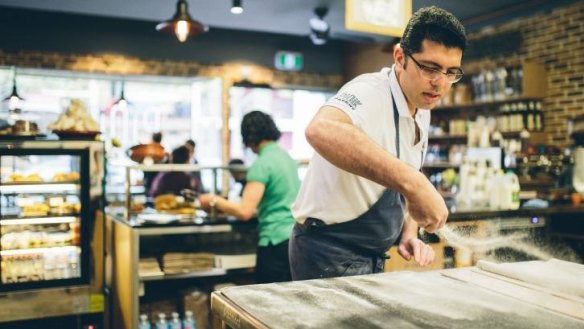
{"points": [[432, 74]]}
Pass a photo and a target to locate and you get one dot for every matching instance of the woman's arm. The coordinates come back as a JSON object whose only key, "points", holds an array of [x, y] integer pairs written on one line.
{"points": [[244, 210]]}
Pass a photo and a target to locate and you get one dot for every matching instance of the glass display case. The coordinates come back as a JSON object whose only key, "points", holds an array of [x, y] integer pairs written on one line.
{"points": [[41, 193], [50, 193], [165, 245]]}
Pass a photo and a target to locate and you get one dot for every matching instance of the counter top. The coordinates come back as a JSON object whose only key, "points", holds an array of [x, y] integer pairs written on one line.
{"points": [[183, 224], [496, 296]]}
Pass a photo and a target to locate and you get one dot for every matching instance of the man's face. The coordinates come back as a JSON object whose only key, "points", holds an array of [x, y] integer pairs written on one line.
{"points": [[191, 151], [419, 91]]}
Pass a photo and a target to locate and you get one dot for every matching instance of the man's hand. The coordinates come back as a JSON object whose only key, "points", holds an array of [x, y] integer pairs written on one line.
{"points": [[423, 254], [426, 206]]}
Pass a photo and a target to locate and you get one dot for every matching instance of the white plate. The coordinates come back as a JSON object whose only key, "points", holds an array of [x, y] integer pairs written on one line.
{"points": [[159, 218]]}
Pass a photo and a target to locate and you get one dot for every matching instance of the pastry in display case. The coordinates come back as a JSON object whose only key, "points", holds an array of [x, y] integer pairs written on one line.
{"points": [[17, 124], [178, 205], [75, 122], [49, 196], [41, 218]]}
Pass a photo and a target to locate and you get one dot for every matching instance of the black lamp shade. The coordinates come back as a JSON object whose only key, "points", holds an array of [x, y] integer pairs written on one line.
{"points": [[182, 14], [13, 94]]}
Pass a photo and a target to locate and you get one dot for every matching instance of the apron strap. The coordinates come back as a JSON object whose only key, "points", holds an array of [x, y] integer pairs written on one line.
{"points": [[396, 122]]}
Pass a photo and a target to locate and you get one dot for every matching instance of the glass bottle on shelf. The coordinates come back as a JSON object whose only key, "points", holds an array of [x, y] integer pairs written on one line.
{"points": [[144, 323], [161, 323], [518, 79], [175, 321], [189, 322]]}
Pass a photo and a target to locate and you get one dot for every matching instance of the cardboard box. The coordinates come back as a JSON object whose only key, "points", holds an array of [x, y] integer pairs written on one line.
{"points": [[197, 302], [397, 263]]}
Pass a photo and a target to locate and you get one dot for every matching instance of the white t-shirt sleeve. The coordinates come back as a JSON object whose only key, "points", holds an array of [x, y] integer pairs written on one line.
{"points": [[356, 100]]}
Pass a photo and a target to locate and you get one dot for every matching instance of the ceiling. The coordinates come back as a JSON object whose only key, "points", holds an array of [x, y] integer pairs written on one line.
{"points": [[277, 16]]}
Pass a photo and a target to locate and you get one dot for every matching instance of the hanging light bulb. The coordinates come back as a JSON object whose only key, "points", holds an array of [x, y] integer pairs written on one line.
{"points": [[236, 7], [14, 99], [181, 30], [181, 24], [122, 103]]}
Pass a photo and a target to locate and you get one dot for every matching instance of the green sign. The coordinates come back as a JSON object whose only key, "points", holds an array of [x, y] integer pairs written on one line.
{"points": [[288, 61]]}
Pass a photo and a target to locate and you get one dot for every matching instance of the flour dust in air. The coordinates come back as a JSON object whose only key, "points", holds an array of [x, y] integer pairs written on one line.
{"points": [[492, 244]]}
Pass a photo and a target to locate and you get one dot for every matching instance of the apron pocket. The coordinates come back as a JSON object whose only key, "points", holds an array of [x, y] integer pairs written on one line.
{"points": [[355, 267]]}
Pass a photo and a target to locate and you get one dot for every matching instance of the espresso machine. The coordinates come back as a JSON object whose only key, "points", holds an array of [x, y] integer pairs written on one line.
{"points": [[578, 173], [577, 134]]}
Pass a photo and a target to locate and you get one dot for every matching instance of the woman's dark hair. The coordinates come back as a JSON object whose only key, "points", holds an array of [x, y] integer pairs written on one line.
{"points": [[180, 154], [157, 137], [258, 126], [235, 162], [191, 143], [435, 24]]}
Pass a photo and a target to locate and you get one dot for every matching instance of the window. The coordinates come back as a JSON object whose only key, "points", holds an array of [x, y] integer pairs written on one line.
{"points": [[180, 108], [291, 110]]}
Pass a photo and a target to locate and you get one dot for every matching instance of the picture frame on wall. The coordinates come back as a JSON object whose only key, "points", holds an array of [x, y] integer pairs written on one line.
{"points": [[385, 17]]}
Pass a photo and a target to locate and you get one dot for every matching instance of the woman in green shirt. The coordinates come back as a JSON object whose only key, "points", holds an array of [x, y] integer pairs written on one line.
{"points": [[272, 185]]}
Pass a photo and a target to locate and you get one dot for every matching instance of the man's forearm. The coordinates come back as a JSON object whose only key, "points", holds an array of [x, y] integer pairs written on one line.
{"points": [[348, 148]]}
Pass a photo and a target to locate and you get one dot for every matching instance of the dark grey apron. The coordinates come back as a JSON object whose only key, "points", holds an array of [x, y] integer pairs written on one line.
{"points": [[358, 246]]}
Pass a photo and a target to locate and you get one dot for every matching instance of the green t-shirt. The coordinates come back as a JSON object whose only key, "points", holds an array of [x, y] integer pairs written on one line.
{"points": [[279, 173]]}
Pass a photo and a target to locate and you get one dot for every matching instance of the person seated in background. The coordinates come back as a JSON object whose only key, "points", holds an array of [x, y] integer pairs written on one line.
{"points": [[156, 152], [272, 185], [173, 182], [191, 145], [238, 175]]}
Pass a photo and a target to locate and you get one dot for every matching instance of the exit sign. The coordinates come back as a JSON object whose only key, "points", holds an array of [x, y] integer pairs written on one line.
{"points": [[288, 61]]}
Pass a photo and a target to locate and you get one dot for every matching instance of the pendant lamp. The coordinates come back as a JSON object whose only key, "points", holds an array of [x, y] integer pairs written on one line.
{"points": [[14, 99], [182, 24], [319, 29], [236, 7], [121, 102]]}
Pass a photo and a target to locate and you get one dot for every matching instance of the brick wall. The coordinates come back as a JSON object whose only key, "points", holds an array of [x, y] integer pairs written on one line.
{"points": [[125, 65], [556, 39]]}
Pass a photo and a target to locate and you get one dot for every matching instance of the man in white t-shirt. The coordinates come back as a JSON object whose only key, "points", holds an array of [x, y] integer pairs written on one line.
{"points": [[364, 191]]}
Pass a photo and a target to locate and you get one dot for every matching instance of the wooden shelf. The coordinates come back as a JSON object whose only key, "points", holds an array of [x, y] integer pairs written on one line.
{"points": [[447, 137], [198, 274], [454, 138], [486, 105], [440, 165]]}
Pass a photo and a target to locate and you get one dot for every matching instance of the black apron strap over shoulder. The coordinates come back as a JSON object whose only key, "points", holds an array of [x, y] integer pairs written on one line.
{"points": [[396, 123]]}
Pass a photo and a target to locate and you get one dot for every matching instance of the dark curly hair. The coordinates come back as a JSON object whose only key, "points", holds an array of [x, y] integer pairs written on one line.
{"points": [[435, 24], [180, 154], [258, 126]]}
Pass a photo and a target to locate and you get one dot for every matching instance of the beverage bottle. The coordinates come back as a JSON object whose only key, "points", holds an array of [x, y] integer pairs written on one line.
{"points": [[74, 264], [514, 189], [189, 322], [510, 192], [175, 322], [161, 323], [144, 323], [496, 189]]}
